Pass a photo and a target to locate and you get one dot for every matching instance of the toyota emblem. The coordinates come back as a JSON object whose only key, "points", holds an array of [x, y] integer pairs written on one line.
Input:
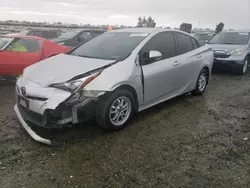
{"points": [[23, 90]]}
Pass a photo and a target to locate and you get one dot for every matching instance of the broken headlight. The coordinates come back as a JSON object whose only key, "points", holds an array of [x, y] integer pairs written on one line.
{"points": [[92, 93], [75, 85], [68, 86]]}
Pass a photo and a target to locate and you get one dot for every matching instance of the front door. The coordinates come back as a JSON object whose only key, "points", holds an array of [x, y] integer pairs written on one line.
{"points": [[18, 55], [160, 78]]}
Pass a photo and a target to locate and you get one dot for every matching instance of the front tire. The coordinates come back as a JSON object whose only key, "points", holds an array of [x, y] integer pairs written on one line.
{"points": [[243, 69], [201, 83], [114, 110]]}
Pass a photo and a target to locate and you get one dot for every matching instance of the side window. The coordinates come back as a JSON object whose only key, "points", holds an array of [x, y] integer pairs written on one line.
{"points": [[25, 45], [162, 42], [85, 36], [195, 43], [183, 43]]}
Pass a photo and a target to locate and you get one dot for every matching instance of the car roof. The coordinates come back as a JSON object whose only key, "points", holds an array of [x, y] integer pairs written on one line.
{"points": [[141, 30], [80, 30], [24, 37], [148, 30]]}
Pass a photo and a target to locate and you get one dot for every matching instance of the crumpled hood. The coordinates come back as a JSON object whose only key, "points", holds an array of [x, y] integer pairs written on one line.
{"points": [[225, 47], [61, 68]]}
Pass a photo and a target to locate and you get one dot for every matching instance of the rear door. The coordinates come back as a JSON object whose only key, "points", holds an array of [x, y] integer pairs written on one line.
{"points": [[189, 61], [160, 77], [19, 54]]}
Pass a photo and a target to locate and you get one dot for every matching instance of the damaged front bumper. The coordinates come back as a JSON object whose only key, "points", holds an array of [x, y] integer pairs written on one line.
{"points": [[29, 130], [53, 110]]}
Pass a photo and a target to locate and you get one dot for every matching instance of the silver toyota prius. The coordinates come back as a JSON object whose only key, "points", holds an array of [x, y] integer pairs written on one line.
{"points": [[111, 78]]}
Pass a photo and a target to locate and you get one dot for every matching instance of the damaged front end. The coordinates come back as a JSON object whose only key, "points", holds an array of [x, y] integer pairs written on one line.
{"points": [[60, 105]]}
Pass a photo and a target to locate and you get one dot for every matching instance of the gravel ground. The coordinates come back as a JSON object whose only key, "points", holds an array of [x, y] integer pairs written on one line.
{"points": [[190, 141]]}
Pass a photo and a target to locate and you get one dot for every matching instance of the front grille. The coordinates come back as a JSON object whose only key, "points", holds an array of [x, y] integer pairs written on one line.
{"points": [[31, 97], [221, 55], [30, 116]]}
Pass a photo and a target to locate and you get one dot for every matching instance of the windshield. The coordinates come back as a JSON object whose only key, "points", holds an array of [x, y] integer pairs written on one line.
{"points": [[230, 38], [68, 35], [4, 41], [111, 46], [204, 36]]}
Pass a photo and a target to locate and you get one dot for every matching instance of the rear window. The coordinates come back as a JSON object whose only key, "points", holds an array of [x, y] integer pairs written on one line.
{"points": [[184, 43], [195, 43], [230, 38]]}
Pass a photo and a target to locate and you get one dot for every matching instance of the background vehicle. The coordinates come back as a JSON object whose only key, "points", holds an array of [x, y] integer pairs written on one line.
{"points": [[43, 33], [204, 37], [231, 51], [18, 52], [76, 37], [111, 77]]}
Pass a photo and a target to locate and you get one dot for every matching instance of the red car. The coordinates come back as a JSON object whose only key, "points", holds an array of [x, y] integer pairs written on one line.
{"points": [[18, 52]]}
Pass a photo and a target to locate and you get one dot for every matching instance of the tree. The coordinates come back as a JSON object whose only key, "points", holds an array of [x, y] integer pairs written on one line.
{"points": [[139, 24], [143, 22], [150, 22], [186, 27], [219, 27]]}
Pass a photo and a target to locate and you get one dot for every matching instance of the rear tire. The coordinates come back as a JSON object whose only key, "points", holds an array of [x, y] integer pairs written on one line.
{"points": [[201, 83], [114, 110]]}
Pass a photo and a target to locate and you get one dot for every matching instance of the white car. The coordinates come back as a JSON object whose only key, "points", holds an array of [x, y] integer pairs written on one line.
{"points": [[111, 77]]}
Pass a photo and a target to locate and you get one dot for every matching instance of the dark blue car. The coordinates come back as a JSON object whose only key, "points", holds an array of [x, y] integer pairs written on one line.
{"points": [[76, 37]]}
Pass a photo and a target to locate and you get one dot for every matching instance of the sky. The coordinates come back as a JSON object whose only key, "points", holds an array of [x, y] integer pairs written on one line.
{"points": [[201, 13]]}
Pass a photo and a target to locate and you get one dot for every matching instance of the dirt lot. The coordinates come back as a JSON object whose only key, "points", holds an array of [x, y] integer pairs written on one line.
{"points": [[188, 142]]}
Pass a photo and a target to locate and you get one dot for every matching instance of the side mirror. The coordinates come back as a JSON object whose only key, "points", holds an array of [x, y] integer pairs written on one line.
{"points": [[155, 55]]}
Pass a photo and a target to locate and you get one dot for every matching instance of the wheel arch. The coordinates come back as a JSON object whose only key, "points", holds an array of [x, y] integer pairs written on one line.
{"points": [[208, 71], [130, 89], [248, 56]]}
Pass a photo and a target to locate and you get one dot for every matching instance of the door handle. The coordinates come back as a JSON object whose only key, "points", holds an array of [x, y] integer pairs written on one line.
{"points": [[176, 63], [198, 56]]}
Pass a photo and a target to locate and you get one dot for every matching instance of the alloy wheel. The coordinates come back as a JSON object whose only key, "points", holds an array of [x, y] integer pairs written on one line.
{"points": [[120, 111], [202, 81]]}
